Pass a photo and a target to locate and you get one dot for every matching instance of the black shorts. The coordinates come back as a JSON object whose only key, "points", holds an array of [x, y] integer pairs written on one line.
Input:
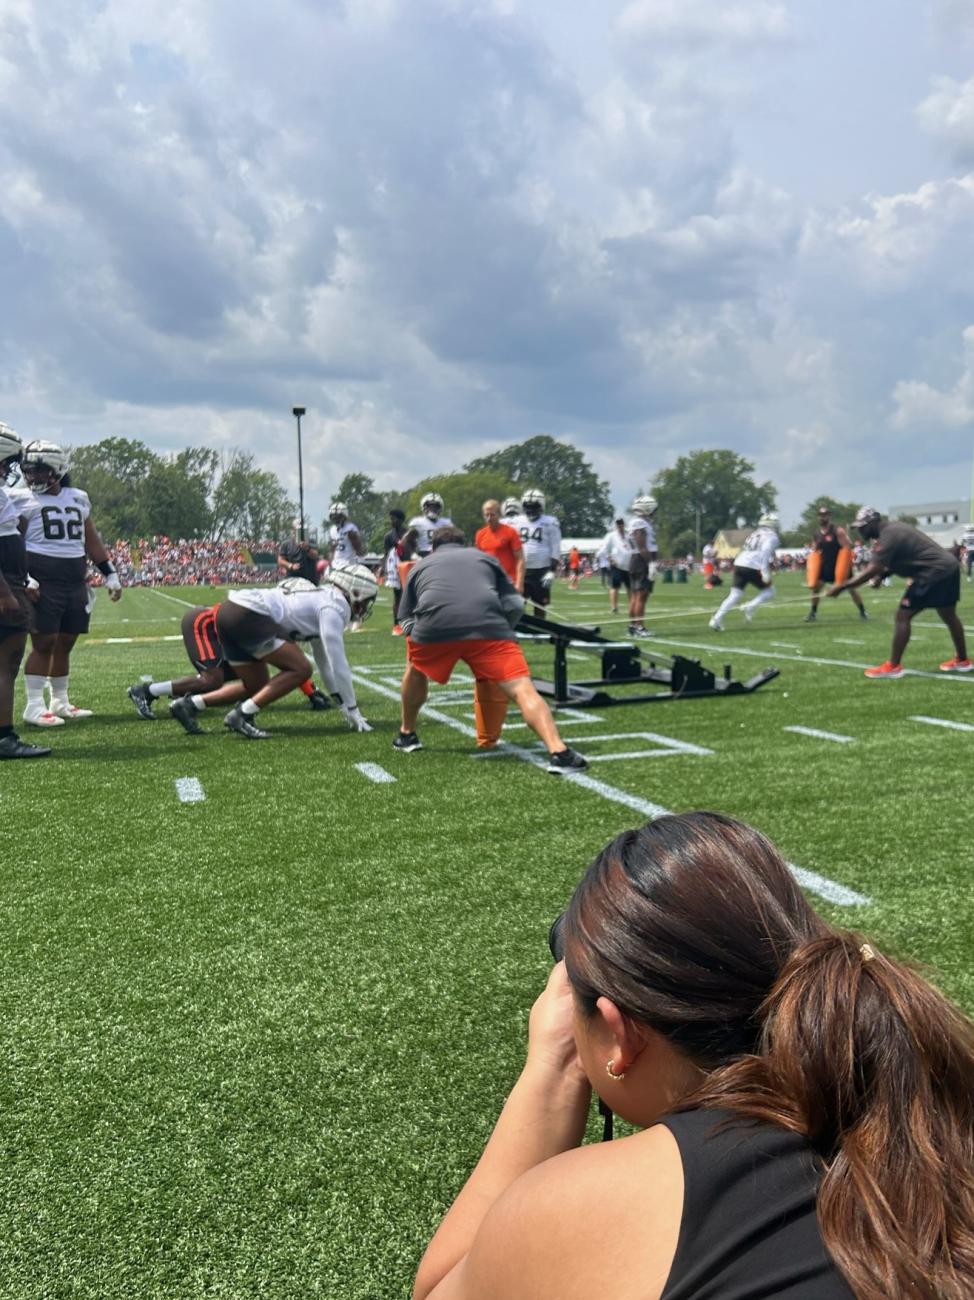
{"points": [[202, 641], [749, 578], [534, 588], [63, 607], [246, 636], [618, 577], [942, 593], [639, 579], [16, 624]]}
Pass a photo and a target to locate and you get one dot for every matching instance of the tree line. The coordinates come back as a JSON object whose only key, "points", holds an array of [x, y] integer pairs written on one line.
{"points": [[199, 492]]}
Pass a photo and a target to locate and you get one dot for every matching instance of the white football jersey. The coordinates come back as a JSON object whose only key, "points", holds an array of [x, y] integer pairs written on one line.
{"points": [[56, 522], [540, 540], [639, 530], [425, 528], [299, 614], [14, 502], [758, 550], [709, 552], [340, 540]]}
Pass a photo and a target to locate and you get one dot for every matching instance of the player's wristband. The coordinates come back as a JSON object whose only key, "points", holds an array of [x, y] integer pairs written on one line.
{"points": [[105, 567]]}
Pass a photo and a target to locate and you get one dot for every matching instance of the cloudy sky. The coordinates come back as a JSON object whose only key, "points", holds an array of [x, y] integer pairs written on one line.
{"points": [[447, 225]]}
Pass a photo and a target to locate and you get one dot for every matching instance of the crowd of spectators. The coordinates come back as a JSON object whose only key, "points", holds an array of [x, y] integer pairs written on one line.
{"points": [[167, 562]]}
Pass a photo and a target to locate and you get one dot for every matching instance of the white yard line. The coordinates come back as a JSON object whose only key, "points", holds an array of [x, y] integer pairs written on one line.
{"points": [[785, 645], [841, 640], [941, 722], [375, 773], [810, 880], [822, 735], [189, 790]]}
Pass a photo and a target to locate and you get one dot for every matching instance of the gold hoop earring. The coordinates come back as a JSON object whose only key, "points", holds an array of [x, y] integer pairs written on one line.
{"points": [[611, 1073]]}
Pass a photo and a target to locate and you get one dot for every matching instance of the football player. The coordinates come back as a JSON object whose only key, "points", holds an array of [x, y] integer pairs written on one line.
{"points": [[510, 509], [259, 626], [60, 540], [833, 547], [541, 541], [752, 567], [344, 538], [641, 536], [14, 602], [390, 562], [426, 524], [205, 653]]}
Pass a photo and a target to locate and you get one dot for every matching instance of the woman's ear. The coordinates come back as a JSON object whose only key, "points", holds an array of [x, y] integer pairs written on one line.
{"points": [[625, 1039]]}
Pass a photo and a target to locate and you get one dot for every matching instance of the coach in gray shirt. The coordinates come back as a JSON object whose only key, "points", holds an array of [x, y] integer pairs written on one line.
{"points": [[460, 606]]}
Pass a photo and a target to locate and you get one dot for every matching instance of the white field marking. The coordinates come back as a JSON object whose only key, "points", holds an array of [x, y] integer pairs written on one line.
{"points": [[785, 645], [118, 640], [724, 649], [843, 640], [830, 890], [941, 722], [566, 718], [666, 747], [375, 773], [189, 790], [579, 659], [190, 604], [825, 735]]}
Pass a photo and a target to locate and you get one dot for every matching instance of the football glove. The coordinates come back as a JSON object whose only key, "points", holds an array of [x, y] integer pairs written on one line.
{"points": [[548, 578], [354, 718], [652, 570], [113, 585], [319, 701]]}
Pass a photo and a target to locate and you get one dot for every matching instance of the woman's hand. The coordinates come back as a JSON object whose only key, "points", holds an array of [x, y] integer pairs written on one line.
{"points": [[551, 1034]]}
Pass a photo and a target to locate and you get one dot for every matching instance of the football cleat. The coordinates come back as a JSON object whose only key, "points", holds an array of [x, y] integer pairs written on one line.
{"points": [[957, 666], [566, 760], [69, 712], [39, 716], [884, 670], [239, 722], [13, 747], [140, 697], [407, 742], [185, 713], [715, 625]]}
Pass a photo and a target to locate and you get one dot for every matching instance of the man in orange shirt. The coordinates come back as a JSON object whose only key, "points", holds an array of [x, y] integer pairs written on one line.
{"points": [[502, 542]]}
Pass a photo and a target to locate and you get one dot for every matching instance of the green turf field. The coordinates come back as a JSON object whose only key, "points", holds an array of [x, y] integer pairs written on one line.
{"points": [[254, 1043]]}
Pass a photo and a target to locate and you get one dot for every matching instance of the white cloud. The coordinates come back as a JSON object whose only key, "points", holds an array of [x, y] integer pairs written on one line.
{"points": [[922, 407], [706, 22], [948, 114]]}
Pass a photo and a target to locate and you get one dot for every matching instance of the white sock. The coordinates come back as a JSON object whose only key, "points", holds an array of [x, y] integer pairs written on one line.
{"points": [[197, 702], [35, 689], [158, 689], [734, 597], [761, 598], [59, 690], [249, 708]]}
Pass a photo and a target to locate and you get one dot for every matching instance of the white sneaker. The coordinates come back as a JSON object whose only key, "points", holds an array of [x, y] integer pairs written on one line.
{"points": [[748, 612], [38, 715], [69, 712], [716, 625]]}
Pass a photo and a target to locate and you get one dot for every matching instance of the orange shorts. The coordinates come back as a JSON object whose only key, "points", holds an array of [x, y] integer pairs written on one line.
{"points": [[497, 661]]}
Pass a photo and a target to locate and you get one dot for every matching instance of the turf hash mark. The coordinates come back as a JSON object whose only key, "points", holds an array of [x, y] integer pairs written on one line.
{"points": [[189, 790], [822, 735], [942, 722], [375, 773]]}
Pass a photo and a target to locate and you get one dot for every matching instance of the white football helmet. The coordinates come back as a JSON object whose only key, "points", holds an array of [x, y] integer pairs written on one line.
{"points": [[290, 585], [432, 505], [769, 520], [337, 510], [533, 503], [511, 507], [44, 463], [645, 506], [358, 585], [11, 452]]}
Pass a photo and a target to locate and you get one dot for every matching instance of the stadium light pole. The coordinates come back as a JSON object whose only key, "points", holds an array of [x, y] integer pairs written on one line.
{"points": [[297, 412]]}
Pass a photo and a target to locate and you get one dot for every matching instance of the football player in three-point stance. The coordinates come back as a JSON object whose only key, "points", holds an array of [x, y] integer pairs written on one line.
{"points": [[541, 541], [752, 567], [641, 536], [14, 603], [60, 539], [259, 626]]}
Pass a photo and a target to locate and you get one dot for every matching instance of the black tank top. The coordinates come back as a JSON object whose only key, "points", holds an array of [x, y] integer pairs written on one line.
{"points": [[827, 544], [749, 1230]]}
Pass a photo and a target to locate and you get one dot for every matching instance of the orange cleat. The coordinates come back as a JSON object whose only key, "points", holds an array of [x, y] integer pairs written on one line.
{"points": [[957, 666], [885, 670]]}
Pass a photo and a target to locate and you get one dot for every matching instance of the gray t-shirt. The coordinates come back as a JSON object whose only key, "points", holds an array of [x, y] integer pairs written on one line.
{"points": [[458, 594], [905, 551]]}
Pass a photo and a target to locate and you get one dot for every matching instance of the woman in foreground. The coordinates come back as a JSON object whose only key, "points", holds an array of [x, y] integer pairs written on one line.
{"points": [[806, 1104]]}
